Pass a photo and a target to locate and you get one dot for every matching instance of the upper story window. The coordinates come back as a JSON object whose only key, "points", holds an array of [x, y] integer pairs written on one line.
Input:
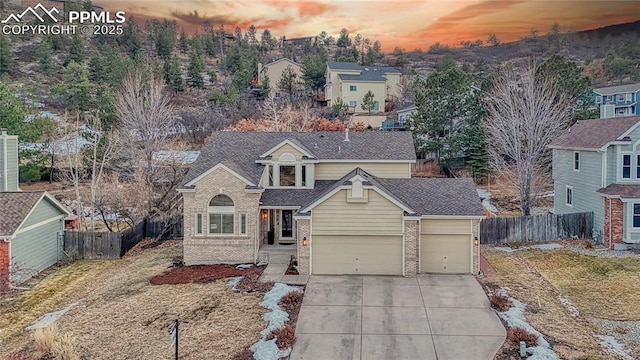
{"points": [[620, 97], [287, 175], [626, 166], [598, 99], [576, 160], [221, 211], [287, 171], [353, 87]]}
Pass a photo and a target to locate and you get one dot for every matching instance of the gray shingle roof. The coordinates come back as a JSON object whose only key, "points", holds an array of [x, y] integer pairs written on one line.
{"points": [[364, 76], [612, 90], [240, 150], [15, 206], [294, 197], [624, 191], [430, 196], [594, 134], [338, 65]]}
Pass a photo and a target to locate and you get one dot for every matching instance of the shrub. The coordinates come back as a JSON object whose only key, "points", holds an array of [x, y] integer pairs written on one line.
{"points": [[291, 301], [45, 339], [249, 284], [285, 336], [516, 334], [244, 354], [65, 348], [500, 303]]}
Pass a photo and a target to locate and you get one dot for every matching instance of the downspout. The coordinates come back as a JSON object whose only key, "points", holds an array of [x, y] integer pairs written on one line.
{"points": [[610, 224]]}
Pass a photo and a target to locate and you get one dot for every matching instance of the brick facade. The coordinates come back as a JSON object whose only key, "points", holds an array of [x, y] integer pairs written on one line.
{"points": [[209, 249], [4, 264], [304, 252], [475, 230], [613, 222], [411, 248]]}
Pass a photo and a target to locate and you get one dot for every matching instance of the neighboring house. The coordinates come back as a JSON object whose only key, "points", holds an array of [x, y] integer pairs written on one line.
{"points": [[619, 100], [596, 167], [349, 82], [345, 202], [406, 112], [274, 71], [31, 222]]}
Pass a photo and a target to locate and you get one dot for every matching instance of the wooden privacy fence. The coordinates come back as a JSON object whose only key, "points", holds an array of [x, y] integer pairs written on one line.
{"points": [[112, 245], [499, 230]]}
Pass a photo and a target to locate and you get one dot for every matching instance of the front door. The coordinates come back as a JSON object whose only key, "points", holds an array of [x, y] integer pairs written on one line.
{"points": [[286, 228]]}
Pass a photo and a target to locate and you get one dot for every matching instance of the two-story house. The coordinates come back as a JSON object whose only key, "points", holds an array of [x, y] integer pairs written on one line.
{"points": [[617, 100], [346, 202], [596, 167], [274, 70], [349, 82]]}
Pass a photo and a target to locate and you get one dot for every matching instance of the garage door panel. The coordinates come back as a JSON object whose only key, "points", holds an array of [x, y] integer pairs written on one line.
{"points": [[445, 246], [357, 255]]}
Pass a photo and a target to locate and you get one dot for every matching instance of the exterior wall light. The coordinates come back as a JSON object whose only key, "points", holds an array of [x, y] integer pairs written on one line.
{"points": [[475, 241], [304, 241]]}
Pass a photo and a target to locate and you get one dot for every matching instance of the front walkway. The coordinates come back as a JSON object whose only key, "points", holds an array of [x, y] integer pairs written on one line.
{"points": [[428, 317], [278, 257]]}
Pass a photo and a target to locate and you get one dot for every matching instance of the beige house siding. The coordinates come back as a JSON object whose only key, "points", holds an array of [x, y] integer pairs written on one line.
{"points": [[377, 88], [374, 121], [332, 92], [286, 148], [207, 249], [393, 84], [334, 171], [275, 69], [378, 216]]}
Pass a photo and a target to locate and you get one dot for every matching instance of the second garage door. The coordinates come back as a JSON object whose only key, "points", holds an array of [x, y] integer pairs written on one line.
{"points": [[445, 246], [371, 255]]}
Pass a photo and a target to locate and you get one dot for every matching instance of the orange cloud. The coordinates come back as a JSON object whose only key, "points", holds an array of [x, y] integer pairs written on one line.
{"points": [[312, 8]]}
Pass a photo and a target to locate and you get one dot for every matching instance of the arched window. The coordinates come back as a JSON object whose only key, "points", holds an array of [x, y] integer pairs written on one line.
{"points": [[221, 210]]}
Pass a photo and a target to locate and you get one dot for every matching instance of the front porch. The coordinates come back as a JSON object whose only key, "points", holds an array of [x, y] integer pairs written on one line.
{"points": [[277, 226]]}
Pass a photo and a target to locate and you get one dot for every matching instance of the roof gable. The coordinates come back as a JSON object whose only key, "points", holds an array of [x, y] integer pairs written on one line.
{"points": [[611, 90], [294, 144], [17, 206], [595, 134], [281, 60]]}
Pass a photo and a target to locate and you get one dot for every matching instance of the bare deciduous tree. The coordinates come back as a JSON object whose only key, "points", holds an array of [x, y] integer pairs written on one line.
{"points": [[146, 114], [525, 113]]}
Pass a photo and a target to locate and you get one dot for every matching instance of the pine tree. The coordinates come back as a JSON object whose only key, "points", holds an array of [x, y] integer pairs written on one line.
{"points": [[195, 69], [368, 101], [76, 52], [183, 42], [173, 75], [6, 59]]}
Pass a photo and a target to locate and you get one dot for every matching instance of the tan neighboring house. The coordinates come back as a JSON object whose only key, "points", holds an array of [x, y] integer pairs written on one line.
{"points": [[341, 203], [351, 81], [274, 71]]}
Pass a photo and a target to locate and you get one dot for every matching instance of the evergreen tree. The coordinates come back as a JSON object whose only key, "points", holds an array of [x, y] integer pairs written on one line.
{"points": [[368, 101], [313, 69], [183, 42], [173, 75], [165, 40], [195, 69], [130, 38], [265, 87], [43, 54], [76, 52], [6, 58], [289, 82], [76, 90]]}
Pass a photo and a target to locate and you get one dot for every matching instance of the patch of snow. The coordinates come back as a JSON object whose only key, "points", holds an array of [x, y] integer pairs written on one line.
{"points": [[244, 266], [572, 309], [543, 246], [267, 349], [233, 282], [486, 200], [610, 343], [504, 248], [514, 317], [49, 318]]}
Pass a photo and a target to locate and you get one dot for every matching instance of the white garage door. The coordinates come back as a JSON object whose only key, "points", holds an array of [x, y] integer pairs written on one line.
{"points": [[445, 246], [343, 255]]}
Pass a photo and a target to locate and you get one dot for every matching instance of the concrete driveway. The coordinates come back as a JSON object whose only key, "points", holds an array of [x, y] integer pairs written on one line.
{"points": [[375, 317]]}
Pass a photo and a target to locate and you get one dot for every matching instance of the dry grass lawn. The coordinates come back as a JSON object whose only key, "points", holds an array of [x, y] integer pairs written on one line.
{"points": [[571, 336], [121, 316], [606, 288]]}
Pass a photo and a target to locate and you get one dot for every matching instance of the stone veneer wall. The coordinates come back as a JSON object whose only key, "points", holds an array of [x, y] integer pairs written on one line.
{"points": [[211, 249], [411, 247], [475, 229], [304, 252], [614, 229]]}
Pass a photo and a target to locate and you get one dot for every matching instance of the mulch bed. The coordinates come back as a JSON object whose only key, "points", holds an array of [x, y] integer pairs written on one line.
{"points": [[203, 274], [149, 243]]}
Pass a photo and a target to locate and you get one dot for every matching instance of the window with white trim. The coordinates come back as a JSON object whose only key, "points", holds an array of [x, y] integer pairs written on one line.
{"points": [[353, 103], [353, 88], [626, 166], [221, 211], [636, 215], [576, 160], [243, 224], [620, 97], [569, 199], [199, 224], [598, 99]]}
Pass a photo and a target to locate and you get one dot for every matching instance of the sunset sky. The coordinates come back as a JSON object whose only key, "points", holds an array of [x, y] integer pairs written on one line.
{"points": [[407, 24]]}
